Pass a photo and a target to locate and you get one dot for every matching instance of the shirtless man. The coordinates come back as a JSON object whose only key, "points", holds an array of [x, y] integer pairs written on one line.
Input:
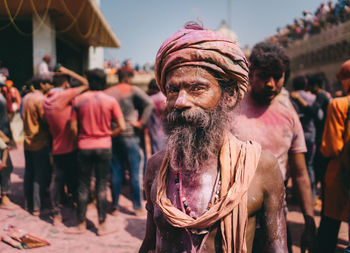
{"points": [[204, 191]]}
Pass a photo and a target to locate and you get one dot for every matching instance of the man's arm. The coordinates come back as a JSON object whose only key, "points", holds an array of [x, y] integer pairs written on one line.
{"points": [[302, 183], [332, 139], [4, 137], [74, 128], [274, 222], [119, 118], [83, 80], [74, 122], [144, 104], [5, 155]]}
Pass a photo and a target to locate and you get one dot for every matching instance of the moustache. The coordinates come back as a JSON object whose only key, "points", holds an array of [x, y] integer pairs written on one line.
{"points": [[193, 117]]}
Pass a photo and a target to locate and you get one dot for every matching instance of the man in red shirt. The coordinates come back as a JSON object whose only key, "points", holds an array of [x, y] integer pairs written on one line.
{"points": [[93, 112], [58, 108]]}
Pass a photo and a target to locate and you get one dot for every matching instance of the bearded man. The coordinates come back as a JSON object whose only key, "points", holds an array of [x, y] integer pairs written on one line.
{"points": [[204, 190]]}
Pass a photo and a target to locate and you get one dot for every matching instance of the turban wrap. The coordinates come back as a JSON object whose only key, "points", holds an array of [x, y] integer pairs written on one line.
{"points": [[343, 75], [203, 48]]}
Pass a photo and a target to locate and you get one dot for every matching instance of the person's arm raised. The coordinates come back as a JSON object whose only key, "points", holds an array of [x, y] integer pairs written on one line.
{"points": [[83, 80]]}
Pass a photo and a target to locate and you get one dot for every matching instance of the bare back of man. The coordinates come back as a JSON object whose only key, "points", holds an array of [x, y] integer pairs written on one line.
{"points": [[265, 196]]}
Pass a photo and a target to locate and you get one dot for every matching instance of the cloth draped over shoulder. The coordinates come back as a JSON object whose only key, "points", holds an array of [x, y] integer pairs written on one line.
{"points": [[202, 48], [238, 163]]}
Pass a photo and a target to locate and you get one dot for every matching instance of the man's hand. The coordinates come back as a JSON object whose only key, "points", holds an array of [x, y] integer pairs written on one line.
{"points": [[62, 70], [2, 166], [308, 236], [6, 139], [302, 182], [295, 94], [137, 124]]}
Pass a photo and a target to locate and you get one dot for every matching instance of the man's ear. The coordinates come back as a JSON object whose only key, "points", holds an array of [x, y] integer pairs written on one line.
{"points": [[231, 100]]}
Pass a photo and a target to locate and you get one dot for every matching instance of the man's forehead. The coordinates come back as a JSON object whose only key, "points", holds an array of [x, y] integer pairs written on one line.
{"points": [[267, 72], [189, 75]]}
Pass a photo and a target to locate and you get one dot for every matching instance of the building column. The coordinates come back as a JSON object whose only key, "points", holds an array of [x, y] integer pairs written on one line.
{"points": [[44, 40], [96, 54], [96, 57]]}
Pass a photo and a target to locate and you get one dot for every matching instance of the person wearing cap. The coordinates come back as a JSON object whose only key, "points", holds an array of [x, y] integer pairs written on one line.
{"points": [[204, 190], [335, 141]]}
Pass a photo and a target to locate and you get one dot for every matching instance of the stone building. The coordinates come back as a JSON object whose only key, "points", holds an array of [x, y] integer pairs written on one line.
{"points": [[322, 54], [73, 33]]}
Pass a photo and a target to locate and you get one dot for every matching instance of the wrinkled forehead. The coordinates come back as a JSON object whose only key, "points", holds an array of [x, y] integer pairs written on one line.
{"points": [[190, 75]]}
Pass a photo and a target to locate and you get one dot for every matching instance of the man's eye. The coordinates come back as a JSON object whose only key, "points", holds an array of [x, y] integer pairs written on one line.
{"points": [[197, 88], [172, 90]]}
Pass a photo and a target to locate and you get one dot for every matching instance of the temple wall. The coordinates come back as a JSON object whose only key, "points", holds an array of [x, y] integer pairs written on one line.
{"points": [[321, 54]]}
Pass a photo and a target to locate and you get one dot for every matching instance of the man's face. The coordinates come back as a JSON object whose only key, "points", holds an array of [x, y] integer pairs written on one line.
{"points": [[265, 85], [46, 87], [196, 118], [346, 84], [189, 88]]}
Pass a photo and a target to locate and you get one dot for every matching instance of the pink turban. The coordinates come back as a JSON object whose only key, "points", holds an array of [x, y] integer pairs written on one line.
{"points": [[203, 48]]}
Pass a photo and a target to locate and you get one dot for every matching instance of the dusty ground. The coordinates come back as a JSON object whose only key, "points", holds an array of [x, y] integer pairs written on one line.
{"points": [[130, 231]]}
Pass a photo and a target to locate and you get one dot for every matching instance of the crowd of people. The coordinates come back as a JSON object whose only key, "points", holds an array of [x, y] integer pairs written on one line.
{"points": [[68, 122], [226, 138], [325, 17]]}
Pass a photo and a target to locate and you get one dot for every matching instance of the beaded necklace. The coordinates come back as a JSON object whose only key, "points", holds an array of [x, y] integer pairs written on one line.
{"points": [[184, 204], [186, 209]]}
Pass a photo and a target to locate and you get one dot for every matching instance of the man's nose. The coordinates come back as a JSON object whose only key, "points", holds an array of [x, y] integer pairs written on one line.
{"points": [[182, 101], [271, 83]]}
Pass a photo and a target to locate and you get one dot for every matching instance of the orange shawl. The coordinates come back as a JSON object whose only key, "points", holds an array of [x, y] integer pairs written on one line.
{"points": [[238, 162]]}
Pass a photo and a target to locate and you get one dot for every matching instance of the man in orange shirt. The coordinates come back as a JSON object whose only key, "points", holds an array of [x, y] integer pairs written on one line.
{"points": [[36, 146], [335, 135]]}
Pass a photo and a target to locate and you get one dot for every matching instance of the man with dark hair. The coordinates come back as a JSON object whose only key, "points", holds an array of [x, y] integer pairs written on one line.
{"points": [[318, 110], [307, 122], [91, 122], [57, 109], [266, 117], [136, 107], [36, 146], [204, 191]]}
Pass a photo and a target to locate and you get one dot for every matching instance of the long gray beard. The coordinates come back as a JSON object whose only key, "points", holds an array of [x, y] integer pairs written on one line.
{"points": [[195, 136]]}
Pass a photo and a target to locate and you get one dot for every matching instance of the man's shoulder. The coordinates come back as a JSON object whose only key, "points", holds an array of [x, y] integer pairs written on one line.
{"points": [[268, 170], [155, 161], [34, 96], [339, 102], [268, 164]]}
